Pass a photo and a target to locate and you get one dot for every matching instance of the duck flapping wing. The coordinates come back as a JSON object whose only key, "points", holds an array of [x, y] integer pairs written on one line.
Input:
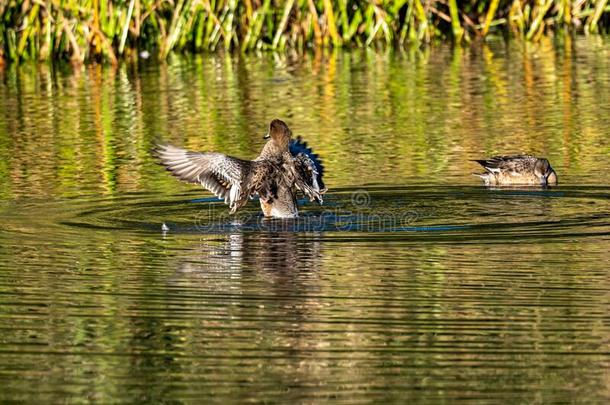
{"points": [[302, 173], [298, 146], [235, 180], [221, 174]]}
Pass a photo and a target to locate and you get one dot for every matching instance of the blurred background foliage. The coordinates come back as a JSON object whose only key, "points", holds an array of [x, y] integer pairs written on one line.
{"points": [[97, 30]]}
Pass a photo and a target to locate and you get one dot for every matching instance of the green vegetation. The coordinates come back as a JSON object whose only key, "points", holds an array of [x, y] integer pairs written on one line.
{"points": [[85, 30]]}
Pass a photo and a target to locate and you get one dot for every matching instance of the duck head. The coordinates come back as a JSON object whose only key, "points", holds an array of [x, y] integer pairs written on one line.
{"points": [[279, 134], [544, 171]]}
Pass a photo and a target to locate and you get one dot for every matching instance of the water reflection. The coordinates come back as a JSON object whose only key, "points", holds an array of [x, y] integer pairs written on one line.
{"points": [[412, 281], [425, 112], [279, 259]]}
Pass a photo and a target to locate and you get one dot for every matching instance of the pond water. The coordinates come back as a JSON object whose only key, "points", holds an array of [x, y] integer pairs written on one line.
{"points": [[412, 281]]}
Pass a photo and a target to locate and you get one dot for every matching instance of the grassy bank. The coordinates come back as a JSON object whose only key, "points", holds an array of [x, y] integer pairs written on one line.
{"points": [[96, 30]]}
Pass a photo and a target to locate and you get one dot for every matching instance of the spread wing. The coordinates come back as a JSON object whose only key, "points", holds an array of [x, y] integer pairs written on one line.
{"points": [[221, 174], [298, 146], [498, 164], [303, 174]]}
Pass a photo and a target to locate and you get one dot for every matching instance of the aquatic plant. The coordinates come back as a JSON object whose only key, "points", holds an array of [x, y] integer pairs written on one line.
{"points": [[94, 30]]}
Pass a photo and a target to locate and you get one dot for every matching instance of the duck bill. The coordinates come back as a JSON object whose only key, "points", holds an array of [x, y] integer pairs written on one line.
{"points": [[267, 136]]}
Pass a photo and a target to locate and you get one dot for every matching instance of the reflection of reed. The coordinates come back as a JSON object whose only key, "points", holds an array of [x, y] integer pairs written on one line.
{"points": [[424, 112]]}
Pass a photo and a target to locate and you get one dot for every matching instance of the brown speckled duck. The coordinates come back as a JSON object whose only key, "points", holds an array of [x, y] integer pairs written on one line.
{"points": [[517, 170], [284, 164]]}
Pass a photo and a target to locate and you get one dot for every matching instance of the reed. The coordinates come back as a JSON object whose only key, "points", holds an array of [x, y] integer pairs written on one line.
{"points": [[98, 30]]}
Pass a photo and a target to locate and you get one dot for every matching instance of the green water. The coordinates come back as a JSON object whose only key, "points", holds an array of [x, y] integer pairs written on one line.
{"points": [[411, 283]]}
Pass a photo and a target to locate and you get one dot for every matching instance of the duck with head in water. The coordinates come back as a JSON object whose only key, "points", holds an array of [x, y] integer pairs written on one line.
{"points": [[517, 170], [283, 166]]}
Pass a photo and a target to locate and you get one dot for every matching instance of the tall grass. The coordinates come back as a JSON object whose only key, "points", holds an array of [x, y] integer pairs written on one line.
{"points": [[86, 30]]}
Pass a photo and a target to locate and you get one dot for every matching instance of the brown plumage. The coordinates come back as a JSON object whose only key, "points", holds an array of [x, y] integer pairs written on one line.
{"points": [[517, 170], [282, 166]]}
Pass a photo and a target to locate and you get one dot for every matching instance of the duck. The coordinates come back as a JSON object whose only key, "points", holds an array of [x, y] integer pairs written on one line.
{"points": [[517, 170], [283, 166]]}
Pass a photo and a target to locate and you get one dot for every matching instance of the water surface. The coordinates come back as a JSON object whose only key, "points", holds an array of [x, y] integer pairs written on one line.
{"points": [[411, 282]]}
